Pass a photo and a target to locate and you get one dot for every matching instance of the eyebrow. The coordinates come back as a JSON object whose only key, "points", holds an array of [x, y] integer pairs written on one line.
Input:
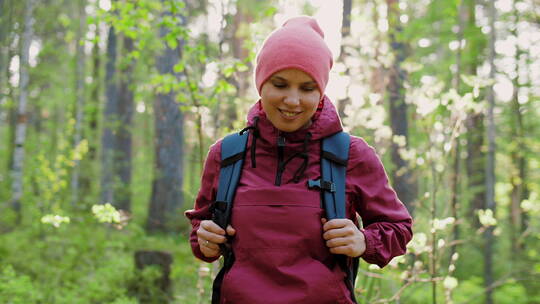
{"points": [[283, 79]]}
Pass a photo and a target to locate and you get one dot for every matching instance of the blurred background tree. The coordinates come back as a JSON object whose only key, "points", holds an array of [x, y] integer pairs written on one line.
{"points": [[117, 101]]}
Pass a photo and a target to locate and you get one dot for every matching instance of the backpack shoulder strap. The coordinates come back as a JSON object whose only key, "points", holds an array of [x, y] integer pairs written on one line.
{"points": [[334, 158], [233, 150]]}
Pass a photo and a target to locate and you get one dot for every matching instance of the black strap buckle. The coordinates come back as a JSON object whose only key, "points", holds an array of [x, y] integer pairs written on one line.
{"points": [[323, 185]]}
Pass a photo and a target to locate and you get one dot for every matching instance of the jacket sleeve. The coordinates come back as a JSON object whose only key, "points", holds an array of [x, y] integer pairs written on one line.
{"points": [[205, 198], [387, 223]]}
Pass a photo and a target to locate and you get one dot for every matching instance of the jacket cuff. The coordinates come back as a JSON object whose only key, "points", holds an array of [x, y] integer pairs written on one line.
{"points": [[372, 244]]}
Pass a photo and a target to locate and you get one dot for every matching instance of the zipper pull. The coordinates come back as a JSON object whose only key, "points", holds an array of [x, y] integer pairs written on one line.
{"points": [[281, 141], [281, 147]]}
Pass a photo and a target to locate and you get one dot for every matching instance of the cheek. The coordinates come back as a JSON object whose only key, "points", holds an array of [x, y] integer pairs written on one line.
{"points": [[312, 102]]}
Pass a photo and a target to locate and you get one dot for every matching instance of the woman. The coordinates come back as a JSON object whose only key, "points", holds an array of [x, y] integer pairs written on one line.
{"points": [[285, 250]]}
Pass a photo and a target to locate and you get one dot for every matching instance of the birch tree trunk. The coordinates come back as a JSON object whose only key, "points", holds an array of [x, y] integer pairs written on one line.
{"points": [[167, 194], [490, 166], [403, 179], [80, 96], [20, 131]]}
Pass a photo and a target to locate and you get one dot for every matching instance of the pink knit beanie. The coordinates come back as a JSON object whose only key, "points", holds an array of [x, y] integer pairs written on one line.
{"points": [[299, 44]]}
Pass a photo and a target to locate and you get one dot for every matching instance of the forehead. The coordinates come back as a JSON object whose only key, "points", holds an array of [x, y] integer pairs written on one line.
{"points": [[293, 75]]}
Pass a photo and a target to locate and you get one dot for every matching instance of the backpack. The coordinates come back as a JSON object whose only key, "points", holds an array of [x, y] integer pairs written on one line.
{"points": [[334, 157]]}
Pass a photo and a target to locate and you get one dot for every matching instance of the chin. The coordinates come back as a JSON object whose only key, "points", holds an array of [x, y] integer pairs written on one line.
{"points": [[286, 128]]}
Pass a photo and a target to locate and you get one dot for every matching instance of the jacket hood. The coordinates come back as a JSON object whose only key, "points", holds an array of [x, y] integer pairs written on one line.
{"points": [[325, 122]]}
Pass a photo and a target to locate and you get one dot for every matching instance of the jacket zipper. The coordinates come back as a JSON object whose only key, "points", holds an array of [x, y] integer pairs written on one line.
{"points": [[281, 148]]}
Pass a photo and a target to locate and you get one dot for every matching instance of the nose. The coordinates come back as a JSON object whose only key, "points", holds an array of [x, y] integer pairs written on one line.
{"points": [[292, 98]]}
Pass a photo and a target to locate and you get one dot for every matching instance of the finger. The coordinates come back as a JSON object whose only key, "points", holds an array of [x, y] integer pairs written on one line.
{"points": [[208, 244], [336, 223], [337, 242], [230, 230], [341, 250], [212, 227], [210, 236], [338, 232], [324, 220], [210, 253]]}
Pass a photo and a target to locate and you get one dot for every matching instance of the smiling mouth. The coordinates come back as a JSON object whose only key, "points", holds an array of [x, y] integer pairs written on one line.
{"points": [[288, 113]]}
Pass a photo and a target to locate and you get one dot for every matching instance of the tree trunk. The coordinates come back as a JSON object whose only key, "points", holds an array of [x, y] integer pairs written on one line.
{"points": [[456, 169], [345, 33], [4, 45], [92, 107], [161, 260], [475, 136], [519, 163], [490, 166], [20, 133], [167, 195], [122, 159], [80, 96], [403, 178], [110, 117], [6, 90]]}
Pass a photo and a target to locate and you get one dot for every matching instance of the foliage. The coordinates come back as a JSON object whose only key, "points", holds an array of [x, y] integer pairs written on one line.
{"points": [[79, 252]]}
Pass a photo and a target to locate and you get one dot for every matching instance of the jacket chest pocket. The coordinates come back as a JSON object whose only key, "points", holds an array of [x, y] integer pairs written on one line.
{"points": [[278, 217]]}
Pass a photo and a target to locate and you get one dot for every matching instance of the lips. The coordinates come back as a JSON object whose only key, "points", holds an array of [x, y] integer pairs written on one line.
{"points": [[289, 114]]}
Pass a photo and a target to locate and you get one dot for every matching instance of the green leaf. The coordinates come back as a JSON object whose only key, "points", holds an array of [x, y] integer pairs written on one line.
{"points": [[179, 67], [228, 71]]}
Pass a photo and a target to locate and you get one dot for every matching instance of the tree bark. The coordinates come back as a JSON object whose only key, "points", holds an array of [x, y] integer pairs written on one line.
{"points": [[6, 91], [4, 64], [80, 99], [519, 191], [345, 33], [20, 132], [456, 169], [405, 184], [92, 107], [490, 166], [167, 195], [110, 116], [475, 162], [122, 159]]}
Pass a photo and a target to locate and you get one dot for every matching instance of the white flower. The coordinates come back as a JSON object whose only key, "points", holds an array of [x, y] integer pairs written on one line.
{"points": [[55, 220], [450, 283], [106, 213]]}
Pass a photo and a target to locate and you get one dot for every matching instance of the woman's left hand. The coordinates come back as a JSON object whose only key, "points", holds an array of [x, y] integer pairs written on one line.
{"points": [[343, 237]]}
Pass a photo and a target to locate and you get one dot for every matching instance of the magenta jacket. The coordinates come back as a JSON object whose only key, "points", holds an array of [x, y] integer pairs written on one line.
{"points": [[281, 256]]}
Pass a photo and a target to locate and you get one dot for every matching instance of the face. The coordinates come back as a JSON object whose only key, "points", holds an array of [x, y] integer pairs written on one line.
{"points": [[290, 98]]}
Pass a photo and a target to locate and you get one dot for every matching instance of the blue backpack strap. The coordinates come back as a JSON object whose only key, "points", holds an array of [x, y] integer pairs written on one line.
{"points": [[334, 157], [233, 150]]}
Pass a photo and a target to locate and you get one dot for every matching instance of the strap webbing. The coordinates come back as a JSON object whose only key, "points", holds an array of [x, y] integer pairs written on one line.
{"points": [[334, 158], [233, 149], [335, 153]]}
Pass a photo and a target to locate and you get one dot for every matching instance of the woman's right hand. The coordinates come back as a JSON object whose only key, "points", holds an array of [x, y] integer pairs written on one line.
{"points": [[210, 236]]}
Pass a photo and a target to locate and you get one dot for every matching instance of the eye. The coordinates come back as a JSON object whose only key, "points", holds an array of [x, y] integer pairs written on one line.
{"points": [[309, 89], [279, 85]]}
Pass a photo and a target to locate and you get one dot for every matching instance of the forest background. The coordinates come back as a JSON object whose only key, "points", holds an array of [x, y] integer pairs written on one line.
{"points": [[107, 109]]}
